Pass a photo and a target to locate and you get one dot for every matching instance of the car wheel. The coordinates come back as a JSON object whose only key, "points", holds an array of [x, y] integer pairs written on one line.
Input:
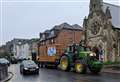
{"points": [[37, 72], [21, 71], [24, 72]]}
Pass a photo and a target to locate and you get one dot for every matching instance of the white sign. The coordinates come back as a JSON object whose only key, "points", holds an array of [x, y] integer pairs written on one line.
{"points": [[51, 51]]}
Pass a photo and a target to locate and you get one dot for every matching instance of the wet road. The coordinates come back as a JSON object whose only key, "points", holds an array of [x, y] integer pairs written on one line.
{"points": [[53, 75]]}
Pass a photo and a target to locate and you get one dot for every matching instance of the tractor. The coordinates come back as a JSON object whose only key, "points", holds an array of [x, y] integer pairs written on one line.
{"points": [[80, 58]]}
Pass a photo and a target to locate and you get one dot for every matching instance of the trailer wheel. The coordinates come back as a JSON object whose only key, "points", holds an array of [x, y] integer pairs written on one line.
{"points": [[80, 68], [41, 65], [64, 63]]}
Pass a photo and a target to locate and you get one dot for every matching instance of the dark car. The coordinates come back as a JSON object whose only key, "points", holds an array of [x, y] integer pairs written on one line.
{"points": [[20, 59], [13, 60], [29, 66], [4, 61]]}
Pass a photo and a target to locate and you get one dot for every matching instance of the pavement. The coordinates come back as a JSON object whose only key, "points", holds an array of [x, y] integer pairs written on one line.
{"points": [[10, 75], [111, 69]]}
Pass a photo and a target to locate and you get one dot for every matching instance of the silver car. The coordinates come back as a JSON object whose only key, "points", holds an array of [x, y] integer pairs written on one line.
{"points": [[4, 61]]}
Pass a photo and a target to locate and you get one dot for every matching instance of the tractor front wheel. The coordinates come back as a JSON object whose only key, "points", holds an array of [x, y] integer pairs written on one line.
{"points": [[64, 63], [80, 68]]}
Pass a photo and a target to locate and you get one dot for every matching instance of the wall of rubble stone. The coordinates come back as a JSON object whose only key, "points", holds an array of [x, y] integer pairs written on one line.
{"points": [[3, 71]]}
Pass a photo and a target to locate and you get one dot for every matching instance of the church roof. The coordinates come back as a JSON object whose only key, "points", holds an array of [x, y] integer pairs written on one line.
{"points": [[115, 13]]}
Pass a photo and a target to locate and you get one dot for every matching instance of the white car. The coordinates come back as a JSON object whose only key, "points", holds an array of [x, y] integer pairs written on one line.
{"points": [[4, 61]]}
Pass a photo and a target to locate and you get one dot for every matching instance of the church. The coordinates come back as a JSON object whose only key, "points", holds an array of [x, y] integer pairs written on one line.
{"points": [[102, 29]]}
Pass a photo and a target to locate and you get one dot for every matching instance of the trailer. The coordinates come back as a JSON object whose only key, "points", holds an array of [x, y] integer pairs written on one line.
{"points": [[49, 55]]}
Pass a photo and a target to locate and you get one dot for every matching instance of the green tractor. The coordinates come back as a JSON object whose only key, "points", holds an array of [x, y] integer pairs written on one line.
{"points": [[80, 59]]}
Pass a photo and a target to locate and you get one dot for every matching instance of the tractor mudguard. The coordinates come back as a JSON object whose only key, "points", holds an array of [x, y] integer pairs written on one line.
{"points": [[95, 66], [70, 58]]}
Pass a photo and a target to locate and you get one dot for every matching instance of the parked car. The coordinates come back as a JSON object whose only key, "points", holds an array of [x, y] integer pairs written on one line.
{"points": [[29, 66], [4, 61], [13, 60], [20, 59]]}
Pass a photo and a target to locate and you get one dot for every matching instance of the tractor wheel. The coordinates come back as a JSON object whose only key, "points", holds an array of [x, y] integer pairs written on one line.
{"points": [[64, 63], [80, 68], [94, 71]]}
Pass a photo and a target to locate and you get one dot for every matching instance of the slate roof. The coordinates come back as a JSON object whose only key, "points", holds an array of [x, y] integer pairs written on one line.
{"points": [[67, 26], [18, 41], [58, 28], [115, 13]]}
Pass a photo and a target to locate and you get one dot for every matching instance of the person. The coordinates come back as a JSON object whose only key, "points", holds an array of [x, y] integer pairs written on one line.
{"points": [[101, 54], [96, 51]]}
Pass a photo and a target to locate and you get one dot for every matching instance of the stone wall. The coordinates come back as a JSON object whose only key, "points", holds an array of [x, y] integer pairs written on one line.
{"points": [[3, 71], [100, 32]]}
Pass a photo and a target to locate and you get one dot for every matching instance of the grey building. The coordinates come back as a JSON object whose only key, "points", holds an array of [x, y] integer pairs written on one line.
{"points": [[3, 71]]}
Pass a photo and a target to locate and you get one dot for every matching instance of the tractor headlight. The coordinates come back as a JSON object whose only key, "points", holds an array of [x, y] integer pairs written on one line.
{"points": [[91, 54]]}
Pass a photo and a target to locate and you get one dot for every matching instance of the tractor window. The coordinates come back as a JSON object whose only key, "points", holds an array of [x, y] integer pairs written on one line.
{"points": [[93, 58], [81, 48], [69, 49], [87, 49]]}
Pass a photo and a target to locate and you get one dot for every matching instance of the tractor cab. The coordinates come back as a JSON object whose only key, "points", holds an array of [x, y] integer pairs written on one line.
{"points": [[73, 48], [79, 50]]}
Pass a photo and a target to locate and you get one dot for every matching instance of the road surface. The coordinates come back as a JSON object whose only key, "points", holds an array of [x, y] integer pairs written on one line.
{"points": [[53, 75]]}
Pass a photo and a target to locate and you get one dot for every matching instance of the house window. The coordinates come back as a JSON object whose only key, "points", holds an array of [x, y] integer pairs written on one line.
{"points": [[43, 36], [52, 32], [51, 41], [43, 43]]}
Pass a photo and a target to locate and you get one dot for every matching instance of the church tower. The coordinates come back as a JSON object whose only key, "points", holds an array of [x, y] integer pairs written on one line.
{"points": [[95, 5]]}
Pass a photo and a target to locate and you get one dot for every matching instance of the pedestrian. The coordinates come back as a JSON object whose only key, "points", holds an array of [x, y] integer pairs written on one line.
{"points": [[101, 54]]}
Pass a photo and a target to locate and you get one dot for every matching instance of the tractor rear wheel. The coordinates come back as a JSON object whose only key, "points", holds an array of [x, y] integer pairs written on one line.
{"points": [[80, 68], [64, 63]]}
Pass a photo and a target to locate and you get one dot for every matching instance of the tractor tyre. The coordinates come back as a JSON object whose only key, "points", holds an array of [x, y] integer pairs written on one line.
{"points": [[64, 63], [80, 68], [94, 71]]}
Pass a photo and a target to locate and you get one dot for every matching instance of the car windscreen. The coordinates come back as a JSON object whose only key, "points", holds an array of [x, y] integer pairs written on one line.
{"points": [[29, 64]]}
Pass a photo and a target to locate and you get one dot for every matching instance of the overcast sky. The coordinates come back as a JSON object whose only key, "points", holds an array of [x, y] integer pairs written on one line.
{"points": [[27, 18]]}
